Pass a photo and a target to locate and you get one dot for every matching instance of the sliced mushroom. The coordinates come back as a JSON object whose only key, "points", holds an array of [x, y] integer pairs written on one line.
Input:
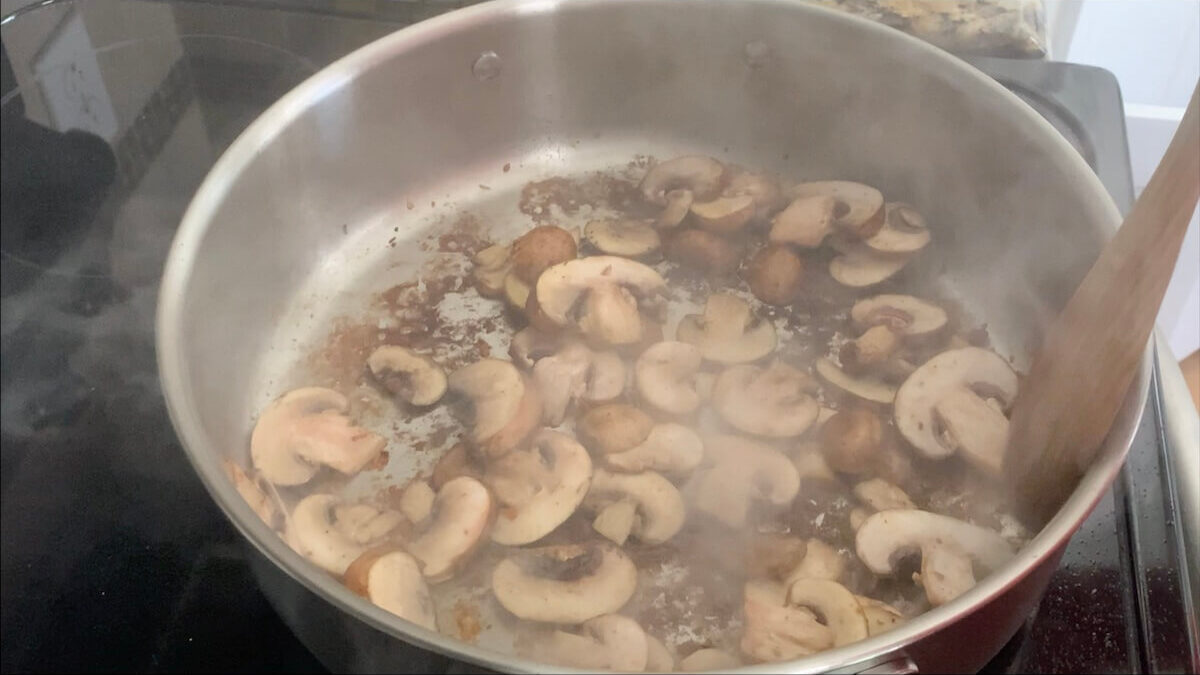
{"points": [[540, 248], [860, 266], [609, 287], [628, 238], [904, 231], [740, 471], [679, 204], [852, 441], [507, 408], [461, 512], [881, 495], [835, 604], [942, 407], [777, 631], [492, 265], [724, 215], [805, 222], [458, 460], [565, 584], [607, 642], [702, 176], [810, 463], [870, 350], [820, 561], [727, 332], [331, 535], [516, 291], [530, 345], [576, 373], [665, 375], [774, 401], [765, 190], [903, 314], [711, 254], [775, 275], [881, 617], [251, 491], [616, 521], [538, 487], [859, 208], [658, 657], [660, 511], [393, 581], [307, 428], [416, 502], [866, 387], [412, 377], [613, 428], [709, 658], [952, 547], [669, 448], [773, 556]]}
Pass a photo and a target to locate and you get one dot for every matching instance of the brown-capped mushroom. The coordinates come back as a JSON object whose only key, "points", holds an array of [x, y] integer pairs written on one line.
{"points": [[537, 487], [724, 215], [866, 387], [904, 231], [412, 377], [627, 238], [542, 247], [600, 295], [852, 440], [702, 250], [455, 527], [506, 406], [665, 375], [702, 176], [775, 401], [775, 275], [738, 472], [613, 427], [491, 266], [567, 584], [392, 580], [870, 350], [805, 222], [859, 208], [308, 428], [727, 332]]}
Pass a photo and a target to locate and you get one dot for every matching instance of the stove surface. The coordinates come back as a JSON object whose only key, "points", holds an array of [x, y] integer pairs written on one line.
{"points": [[114, 557]]}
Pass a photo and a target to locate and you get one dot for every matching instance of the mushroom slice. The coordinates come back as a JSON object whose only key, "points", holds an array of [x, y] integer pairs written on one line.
{"points": [[306, 428], [835, 603], [658, 657], [772, 401], [865, 387], [764, 189], [660, 511], [416, 502], [859, 207], [412, 377], [869, 350], [460, 515], [607, 642], [805, 222], [882, 495], [951, 546], [904, 231], [776, 631], [393, 581], [540, 248], [739, 471], [332, 534], [538, 487], [702, 176], [531, 345], [679, 204], [516, 291], [942, 407], [252, 492], [903, 314], [881, 617], [609, 287], [665, 375], [724, 215], [573, 373], [492, 265], [708, 253], [615, 522], [669, 448], [506, 408], [859, 266], [565, 584], [613, 428], [727, 332], [820, 561], [708, 658], [627, 238]]}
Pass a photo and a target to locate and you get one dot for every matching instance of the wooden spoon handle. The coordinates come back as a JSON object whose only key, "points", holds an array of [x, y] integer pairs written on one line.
{"points": [[1092, 350]]}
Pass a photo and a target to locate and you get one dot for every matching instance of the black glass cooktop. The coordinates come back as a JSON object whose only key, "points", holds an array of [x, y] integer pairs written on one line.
{"points": [[114, 557]]}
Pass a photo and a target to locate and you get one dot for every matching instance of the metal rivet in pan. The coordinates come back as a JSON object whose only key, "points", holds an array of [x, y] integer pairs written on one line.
{"points": [[487, 66]]}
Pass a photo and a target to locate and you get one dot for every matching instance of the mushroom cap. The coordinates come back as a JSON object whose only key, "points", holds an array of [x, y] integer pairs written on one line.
{"points": [[727, 332], [772, 401], [835, 603], [461, 512], [628, 238], [708, 658], [702, 176], [538, 487], [306, 428], [414, 378], [737, 472], [607, 642], [506, 409], [660, 509], [904, 231], [669, 447], [609, 284], [859, 207], [888, 535], [860, 266], [711, 254], [866, 387], [665, 377], [539, 248], [805, 222], [776, 631], [613, 428], [529, 345], [314, 531], [764, 189], [904, 314], [724, 215], [775, 275], [947, 393], [569, 584], [392, 580]]}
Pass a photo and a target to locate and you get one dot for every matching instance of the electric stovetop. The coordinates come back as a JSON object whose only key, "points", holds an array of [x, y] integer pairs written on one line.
{"points": [[114, 557]]}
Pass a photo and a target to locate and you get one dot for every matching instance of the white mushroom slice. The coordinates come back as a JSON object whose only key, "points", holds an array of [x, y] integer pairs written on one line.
{"points": [[904, 314], [881, 617], [573, 373], [460, 515], [882, 495], [658, 657], [810, 462], [660, 511], [858, 516], [870, 350], [538, 487], [866, 387], [416, 502], [530, 345], [252, 492], [775, 631], [615, 522], [739, 471], [314, 531], [669, 448], [837, 605], [666, 377], [492, 265], [506, 408], [763, 188], [951, 545], [941, 408], [393, 581], [606, 379], [306, 428], [608, 286], [564, 584], [859, 207], [413, 378], [679, 204], [724, 215], [805, 222], [627, 238], [608, 642], [904, 231], [860, 266], [820, 561], [363, 523], [702, 176], [516, 291], [709, 658], [727, 332], [772, 401]]}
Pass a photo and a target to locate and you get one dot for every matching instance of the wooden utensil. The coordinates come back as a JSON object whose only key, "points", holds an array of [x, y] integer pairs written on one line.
{"points": [[1091, 352]]}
